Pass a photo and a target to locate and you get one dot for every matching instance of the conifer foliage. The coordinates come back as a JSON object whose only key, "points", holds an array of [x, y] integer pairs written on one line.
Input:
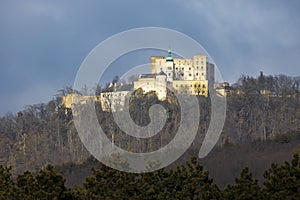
{"points": [[187, 181]]}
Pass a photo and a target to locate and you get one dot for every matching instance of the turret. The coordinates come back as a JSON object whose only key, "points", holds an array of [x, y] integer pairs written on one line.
{"points": [[169, 66]]}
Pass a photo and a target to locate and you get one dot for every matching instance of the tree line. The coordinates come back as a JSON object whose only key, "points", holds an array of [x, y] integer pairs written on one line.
{"points": [[187, 181]]}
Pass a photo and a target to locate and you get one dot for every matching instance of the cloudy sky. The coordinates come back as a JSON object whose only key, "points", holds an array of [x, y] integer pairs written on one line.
{"points": [[43, 43]]}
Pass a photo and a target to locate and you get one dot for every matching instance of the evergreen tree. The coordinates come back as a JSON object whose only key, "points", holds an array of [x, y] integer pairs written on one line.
{"points": [[51, 184], [28, 187], [108, 183], [7, 186], [245, 187], [283, 182]]}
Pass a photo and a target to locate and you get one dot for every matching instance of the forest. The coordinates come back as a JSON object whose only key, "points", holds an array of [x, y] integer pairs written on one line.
{"points": [[263, 110], [187, 181]]}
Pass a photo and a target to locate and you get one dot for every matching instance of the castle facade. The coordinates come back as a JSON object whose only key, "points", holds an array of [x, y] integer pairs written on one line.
{"points": [[194, 76], [188, 76]]}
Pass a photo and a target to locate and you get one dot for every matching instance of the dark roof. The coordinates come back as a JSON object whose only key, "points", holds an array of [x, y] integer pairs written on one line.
{"points": [[125, 87], [147, 76], [169, 58], [162, 73]]}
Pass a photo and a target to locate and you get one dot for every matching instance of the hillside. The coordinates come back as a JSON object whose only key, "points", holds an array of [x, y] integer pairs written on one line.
{"points": [[224, 164], [262, 109]]}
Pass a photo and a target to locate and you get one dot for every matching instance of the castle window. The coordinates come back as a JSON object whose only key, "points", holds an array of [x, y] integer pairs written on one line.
{"points": [[202, 74], [182, 68], [190, 74], [176, 68], [196, 74], [169, 74], [201, 67], [189, 68]]}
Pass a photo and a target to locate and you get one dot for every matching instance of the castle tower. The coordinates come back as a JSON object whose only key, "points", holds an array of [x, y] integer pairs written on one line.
{"points": [[169, 67]]}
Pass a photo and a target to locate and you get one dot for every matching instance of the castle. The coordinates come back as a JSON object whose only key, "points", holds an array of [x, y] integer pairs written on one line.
{"points": [[188, 76], [195, 76]]}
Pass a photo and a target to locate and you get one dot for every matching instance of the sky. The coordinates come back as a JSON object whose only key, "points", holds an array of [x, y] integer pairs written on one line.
{"points": [[43, 43]]}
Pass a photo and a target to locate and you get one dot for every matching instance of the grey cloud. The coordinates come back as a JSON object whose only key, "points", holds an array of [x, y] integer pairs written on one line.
{"points": [[44, 42]]}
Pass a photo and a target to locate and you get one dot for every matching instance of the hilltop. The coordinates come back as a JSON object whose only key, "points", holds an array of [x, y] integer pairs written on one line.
{"points": [[262, 109]]}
